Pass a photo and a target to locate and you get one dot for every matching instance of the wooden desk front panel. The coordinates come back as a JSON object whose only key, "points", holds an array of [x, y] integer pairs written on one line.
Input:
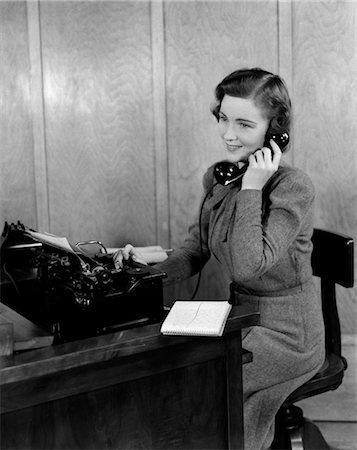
{"points": [[128, 390], [181, 408]]}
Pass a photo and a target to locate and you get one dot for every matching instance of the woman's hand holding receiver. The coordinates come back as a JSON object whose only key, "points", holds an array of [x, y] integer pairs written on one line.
{"points": [[262, 165], [126, 253]]}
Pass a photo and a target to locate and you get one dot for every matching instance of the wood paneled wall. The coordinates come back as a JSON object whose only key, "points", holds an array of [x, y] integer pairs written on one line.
{"points": [[325, 133], [99, 125], [107, 130], [17, 176]]}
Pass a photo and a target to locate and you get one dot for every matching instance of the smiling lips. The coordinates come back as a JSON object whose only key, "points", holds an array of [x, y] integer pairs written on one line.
{"points": [[233, 148]]}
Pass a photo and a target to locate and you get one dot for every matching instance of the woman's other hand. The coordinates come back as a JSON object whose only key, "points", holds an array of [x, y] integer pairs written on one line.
{"points": [[126, 253], [262, 165]]}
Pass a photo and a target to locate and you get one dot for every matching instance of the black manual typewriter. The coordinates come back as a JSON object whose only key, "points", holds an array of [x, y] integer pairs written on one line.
{"points": [[72, 291]]}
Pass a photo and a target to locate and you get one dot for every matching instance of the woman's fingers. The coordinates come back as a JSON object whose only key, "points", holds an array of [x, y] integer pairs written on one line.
{"points": [[122, 255], [267, 158], [252, 161], [118, 259], [262, 164], [259, 156], [137, 257], [277, 154], [126, 253]]}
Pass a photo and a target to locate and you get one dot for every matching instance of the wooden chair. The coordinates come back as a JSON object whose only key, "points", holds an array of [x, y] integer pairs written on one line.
{"points": [[332, 262]]}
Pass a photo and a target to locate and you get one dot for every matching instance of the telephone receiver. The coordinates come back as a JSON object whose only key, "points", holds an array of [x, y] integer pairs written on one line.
{"points": [[226, 172]]}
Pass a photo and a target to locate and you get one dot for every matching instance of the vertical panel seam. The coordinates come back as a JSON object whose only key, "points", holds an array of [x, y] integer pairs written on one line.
{"points": [[38, 115], [160, 122], [284, 31]]}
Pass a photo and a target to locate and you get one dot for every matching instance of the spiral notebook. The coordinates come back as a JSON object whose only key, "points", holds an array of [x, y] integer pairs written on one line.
{"points": [[196, 318]]}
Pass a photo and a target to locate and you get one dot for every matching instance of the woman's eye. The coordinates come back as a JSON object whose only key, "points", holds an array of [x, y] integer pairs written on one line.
{"points": [[222, 119], [244, 125]]}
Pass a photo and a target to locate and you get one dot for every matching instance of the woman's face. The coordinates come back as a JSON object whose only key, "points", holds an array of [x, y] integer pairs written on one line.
{"points": [[242, 127]]}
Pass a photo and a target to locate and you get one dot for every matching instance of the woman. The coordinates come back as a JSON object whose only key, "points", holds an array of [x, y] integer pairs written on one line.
{"points": [[260, 230]]}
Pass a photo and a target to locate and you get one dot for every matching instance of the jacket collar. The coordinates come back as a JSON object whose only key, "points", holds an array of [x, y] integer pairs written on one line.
{"points": [[219, 193]]}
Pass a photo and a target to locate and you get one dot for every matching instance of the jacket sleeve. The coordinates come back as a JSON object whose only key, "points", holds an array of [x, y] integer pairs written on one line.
{"points": [[258, 241], [191, 257]]}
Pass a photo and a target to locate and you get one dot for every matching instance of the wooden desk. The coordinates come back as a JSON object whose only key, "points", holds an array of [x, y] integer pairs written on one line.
{"points": [[128, 390]]}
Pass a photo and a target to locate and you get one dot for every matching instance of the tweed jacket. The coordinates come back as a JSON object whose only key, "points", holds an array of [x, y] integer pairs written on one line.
{"points": [[263, 241], [262, 238]]}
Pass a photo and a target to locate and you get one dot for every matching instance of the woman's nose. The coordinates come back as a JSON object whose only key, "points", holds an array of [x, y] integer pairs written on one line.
{"points": [[230, 133]]}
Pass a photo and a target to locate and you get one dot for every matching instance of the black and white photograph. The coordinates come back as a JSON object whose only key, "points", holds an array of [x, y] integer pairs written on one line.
{"points": [[178, 217]]}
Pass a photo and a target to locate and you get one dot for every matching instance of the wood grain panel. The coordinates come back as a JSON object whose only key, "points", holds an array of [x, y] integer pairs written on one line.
{"points": [[169, 410], [131, 389], [325, 85], [99, 127], [17, 192], [204, 42]]}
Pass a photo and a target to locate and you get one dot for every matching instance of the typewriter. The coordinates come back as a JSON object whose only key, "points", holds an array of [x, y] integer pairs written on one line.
{"points": [[72, 291]]}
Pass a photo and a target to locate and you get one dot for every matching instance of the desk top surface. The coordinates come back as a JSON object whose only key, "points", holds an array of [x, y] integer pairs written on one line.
{"points": [[99, 349]]}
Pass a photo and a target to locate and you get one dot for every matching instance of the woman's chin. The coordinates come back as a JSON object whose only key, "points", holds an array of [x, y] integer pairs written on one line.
{"points": [[234, 159]]}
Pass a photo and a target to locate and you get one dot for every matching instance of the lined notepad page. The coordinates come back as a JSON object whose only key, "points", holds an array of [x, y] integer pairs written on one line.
{"points": [[196, 318]]}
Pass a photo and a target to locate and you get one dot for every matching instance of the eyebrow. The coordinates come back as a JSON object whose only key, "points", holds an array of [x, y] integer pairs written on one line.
{"points": [[239, 119]]}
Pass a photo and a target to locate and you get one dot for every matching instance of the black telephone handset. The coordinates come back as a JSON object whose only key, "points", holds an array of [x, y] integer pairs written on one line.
{"points": [[226, 172]]}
